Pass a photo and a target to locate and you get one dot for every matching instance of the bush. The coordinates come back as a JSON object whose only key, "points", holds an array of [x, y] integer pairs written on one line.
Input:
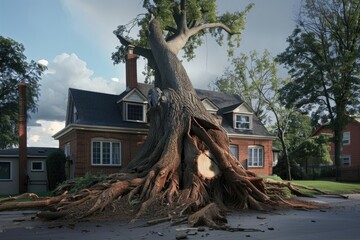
{"points": [[79, 183], [55, 165], [297, 172]]}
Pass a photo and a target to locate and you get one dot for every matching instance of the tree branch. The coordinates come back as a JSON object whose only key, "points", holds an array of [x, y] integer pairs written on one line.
{"points": [[200, 27], [144, 52]]}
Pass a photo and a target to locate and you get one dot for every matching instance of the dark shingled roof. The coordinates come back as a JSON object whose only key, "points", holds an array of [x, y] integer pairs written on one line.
{"points": [[31, 151], [100, 109]]}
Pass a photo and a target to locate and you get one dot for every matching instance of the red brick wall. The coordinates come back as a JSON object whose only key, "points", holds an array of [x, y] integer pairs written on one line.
{"points": [[353, 149], [80, 148], [243, 145]]}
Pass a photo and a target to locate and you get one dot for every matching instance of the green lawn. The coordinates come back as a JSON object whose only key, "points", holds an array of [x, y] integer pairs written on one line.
{"points": [[331, 187]]}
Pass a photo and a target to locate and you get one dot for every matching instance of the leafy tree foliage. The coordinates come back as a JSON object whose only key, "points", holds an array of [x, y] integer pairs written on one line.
{"points": [[14, 69], [312, 152], [323, 58], [256, 79], [201, 19], [246, 74]]}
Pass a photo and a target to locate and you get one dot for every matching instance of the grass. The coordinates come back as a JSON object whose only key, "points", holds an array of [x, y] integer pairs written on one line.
{"points": [[326, 186], [331, 186]]}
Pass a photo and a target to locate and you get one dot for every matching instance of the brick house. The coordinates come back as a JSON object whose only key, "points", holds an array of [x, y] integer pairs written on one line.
{"points": [[103, 132], [350, 157]]}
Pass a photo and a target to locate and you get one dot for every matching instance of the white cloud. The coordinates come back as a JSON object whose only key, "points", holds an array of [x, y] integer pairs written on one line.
{"points": [[64, 72], [41, 136], [34, 138], [43, 62]]}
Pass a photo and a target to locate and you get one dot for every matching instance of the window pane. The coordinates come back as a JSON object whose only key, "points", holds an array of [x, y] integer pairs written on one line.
{"points": [[242, 122], [346, 138], [5, 170], [96, 153], [256, 157], [250, 157], [106, 153], [235, 150], [261, 156], [135, 112], [116, 153], [346, 161], [37, 166]]}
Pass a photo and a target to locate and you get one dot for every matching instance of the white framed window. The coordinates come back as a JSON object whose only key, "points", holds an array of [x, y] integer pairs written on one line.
{"points": [[5, 170], [67, 150], [255, 156], [242, 121], [106, 152], [37, 166], [135, 112], [235, 150], [346, 138], [345, 160]]}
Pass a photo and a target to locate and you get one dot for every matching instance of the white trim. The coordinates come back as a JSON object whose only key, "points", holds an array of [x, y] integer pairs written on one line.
{"points": [[244, 115], [126, 104], [37, 170], [101, 141], [213, 108], [124, 99], [97, 128], [252, 147], [11, 168], [349, 137], [345, 156]]}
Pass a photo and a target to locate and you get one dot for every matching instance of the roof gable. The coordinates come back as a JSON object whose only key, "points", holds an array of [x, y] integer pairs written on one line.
{"points": [[209, 105], [239, 108], [134, 95]]}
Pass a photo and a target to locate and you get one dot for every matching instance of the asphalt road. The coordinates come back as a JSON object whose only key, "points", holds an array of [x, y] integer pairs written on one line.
{"points": [[340, 221]]}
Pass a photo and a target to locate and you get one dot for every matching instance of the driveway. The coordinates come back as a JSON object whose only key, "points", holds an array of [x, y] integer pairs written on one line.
{"points": [[340, 221]]}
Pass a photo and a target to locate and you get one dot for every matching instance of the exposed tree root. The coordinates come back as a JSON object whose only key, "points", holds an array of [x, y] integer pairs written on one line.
{"points": [[168, 177]]}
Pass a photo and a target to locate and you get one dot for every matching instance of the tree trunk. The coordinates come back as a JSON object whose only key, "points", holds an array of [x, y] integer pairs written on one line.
{"points": [[286, 155]]}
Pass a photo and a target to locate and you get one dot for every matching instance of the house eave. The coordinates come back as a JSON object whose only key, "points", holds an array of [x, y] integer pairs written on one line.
{"points": [[97, 128], [249, 136]]}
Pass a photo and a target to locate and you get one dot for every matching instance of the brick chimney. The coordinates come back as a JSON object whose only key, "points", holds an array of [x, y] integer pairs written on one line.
{"points": [[131, 69], [22, 139]]}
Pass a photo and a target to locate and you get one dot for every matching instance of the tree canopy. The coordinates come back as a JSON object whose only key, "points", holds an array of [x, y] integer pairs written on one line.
{"points": [[323, 58], [15, 69], [184, 26]]}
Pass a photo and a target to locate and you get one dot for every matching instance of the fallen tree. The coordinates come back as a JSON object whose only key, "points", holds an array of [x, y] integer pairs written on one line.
{"points": [[183, 136]]}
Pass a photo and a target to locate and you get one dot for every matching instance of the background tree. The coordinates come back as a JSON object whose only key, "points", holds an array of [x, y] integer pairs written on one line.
{"points": [[14, 69], [256, 78], [240, 78], [323, 59], [298, 130], [312, 152]]}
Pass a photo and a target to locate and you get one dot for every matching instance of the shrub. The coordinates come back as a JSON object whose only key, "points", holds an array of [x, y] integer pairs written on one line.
{"points": [[55, 165]]}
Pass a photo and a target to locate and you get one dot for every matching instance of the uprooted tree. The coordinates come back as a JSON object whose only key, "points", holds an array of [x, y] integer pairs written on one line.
{"points": [[183, 135]]}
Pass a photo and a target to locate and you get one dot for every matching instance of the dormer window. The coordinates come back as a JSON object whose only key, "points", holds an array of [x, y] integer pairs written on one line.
{"points": [[134, 106], [242, 121], [135, 112]]}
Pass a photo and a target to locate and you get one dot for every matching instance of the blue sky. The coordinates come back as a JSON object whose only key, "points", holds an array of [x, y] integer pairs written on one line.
{"points": [[75, 38]]}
